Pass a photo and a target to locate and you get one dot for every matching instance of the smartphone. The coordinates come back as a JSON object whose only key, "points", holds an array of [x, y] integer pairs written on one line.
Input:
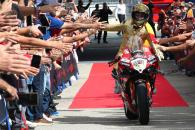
{"points": [[36, 61], [44, 20], [29, 21], [42, 29]]}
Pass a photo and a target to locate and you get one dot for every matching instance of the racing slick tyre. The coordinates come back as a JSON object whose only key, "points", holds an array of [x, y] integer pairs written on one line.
{"points": [[142, 104]]}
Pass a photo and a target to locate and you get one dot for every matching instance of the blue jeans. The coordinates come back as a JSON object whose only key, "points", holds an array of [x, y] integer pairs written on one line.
{"points": [[46, 100], [47, 82], [29, 80], [41, 82], [38, 86], [46, 95]]}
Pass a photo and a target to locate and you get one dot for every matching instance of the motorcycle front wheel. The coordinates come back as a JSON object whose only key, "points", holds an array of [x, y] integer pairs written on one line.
{"points": [[129, 114], [142, 104]]}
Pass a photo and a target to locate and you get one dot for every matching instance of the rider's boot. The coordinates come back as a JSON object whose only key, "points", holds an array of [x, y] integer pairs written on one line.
{"points": [[154, 90], [117, 89], [153, 86], [114, 73]]}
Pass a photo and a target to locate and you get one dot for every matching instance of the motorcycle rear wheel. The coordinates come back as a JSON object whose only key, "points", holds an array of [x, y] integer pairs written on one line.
{"points": [[142, 104]]}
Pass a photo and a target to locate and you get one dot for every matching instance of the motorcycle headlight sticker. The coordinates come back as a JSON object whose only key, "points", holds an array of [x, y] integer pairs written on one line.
{"points": [[139, 64]]}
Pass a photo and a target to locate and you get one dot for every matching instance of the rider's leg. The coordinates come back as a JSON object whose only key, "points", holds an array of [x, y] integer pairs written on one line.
{"points": [[117, 88], [152, 82], [114, 71]]}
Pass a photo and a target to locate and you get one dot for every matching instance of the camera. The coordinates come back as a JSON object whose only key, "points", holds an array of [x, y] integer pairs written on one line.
{"points": [[25, 99]]}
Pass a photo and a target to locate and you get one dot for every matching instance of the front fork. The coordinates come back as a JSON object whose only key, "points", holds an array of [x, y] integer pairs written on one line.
{"points": [[148, 88]]}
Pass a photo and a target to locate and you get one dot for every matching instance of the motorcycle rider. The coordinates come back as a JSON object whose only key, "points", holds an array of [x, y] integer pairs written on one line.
{"points": [[134, 27]]}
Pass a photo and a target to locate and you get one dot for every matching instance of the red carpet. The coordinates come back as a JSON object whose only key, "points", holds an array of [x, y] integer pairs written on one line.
{"points": [[97, 92]]}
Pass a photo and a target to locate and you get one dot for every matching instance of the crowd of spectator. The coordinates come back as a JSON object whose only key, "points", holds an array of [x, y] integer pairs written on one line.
{"points": [[36, 37], [178, 20]]}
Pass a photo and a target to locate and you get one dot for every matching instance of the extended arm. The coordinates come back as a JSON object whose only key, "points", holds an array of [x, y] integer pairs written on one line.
{"points": [[30, 41], [26, 11], [113, 27], [187, 45], [178, 38], [76, 26], [65, 47], [78, 37], [176, 48], [8, 88], [23, 31]]}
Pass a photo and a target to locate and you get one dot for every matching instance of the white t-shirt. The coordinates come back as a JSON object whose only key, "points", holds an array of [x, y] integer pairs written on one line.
{"points": [[120, 9]]}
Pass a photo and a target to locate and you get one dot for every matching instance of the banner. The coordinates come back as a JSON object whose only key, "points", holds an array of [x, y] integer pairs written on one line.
{"points": [[61, 76]]}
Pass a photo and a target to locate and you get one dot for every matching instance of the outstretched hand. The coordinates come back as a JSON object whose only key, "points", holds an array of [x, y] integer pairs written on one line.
{"points": [[99, 25], [64, 47], [160, 47], [35, 31], [183, 37], [50, 8], [8, 20], [15, 63], [190, 43]]}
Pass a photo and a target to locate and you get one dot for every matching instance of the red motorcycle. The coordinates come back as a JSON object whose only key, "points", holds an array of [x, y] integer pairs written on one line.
{"points": [[136, 76]]}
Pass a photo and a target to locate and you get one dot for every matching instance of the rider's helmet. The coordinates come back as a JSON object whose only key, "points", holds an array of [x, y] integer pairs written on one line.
{"points": [[140, 14]]}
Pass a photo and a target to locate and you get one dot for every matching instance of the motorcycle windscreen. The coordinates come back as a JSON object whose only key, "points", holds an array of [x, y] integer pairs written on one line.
{"points": [[135, 43]]}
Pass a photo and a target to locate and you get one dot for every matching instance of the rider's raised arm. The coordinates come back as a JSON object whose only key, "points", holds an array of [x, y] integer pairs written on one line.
{"points": [[114, 27]]}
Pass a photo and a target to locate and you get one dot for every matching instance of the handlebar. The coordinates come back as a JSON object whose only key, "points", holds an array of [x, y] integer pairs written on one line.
{"points": [[111, 63]]}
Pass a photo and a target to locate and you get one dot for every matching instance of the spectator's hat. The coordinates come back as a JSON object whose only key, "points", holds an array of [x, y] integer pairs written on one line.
{"points": [[190, 4]]}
